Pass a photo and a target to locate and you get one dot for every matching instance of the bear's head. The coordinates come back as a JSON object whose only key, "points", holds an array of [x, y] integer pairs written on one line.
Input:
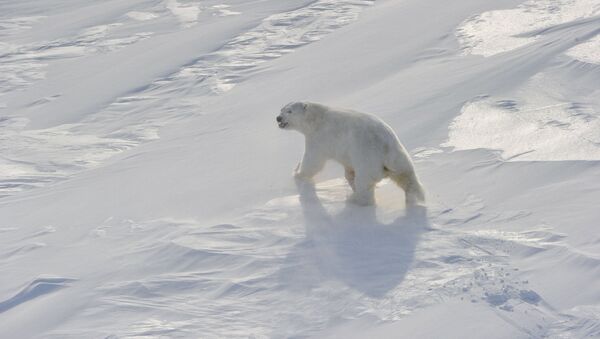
{"points": [[295, 116]]}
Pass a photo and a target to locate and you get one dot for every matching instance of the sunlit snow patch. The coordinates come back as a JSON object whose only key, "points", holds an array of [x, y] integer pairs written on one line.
{"points": [[141, 16], [425, 152], [499, 31], [536, 127], [588, 51], [187, 14], [222, 10]]}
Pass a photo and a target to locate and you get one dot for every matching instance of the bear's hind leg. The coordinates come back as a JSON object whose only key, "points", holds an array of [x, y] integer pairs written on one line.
{"points": [[413, 191], [349, 174]]}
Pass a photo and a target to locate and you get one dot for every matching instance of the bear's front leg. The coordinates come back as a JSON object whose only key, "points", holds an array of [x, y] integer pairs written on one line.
{"points": [[364, 191], [312, 163]]}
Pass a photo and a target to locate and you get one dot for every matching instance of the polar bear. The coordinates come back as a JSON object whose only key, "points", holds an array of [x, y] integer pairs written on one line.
{"points": [[367, 147]]}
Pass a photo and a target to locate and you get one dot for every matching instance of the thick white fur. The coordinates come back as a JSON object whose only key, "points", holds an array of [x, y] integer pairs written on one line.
{"points": [[367, 147]]}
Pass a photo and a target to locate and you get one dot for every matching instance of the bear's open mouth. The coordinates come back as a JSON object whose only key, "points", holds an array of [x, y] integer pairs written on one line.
{"points": [[282, 124]]}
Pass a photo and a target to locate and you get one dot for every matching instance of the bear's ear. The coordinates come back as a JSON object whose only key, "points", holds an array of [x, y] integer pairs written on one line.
{"points": [[304, 105]]}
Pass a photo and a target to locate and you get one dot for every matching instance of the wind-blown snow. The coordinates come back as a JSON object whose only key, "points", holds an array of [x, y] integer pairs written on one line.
{"points": [[146, 190], [500, 31]]}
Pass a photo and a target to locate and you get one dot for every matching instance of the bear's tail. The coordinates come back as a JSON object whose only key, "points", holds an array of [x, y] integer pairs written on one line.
{"points": [[413, 189]]}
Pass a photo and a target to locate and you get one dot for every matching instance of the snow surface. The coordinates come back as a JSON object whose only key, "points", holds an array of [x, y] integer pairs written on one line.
{"points": [[146, 190], [587, 51]]}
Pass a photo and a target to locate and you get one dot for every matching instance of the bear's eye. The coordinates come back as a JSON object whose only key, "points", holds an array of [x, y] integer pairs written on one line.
{"points": [[289, 112]]}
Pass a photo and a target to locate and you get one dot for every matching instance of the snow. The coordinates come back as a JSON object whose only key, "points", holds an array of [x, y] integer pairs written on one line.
{"points": [[587, 51], [186, 14], [537, 124], [146, 190], [499, 31]]}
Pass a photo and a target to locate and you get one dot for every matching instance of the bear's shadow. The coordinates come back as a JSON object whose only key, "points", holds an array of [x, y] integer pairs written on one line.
{"points": [[352, 247]]}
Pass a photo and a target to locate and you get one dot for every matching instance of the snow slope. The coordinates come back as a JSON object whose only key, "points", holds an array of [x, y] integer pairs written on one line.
{"points": [[146, 190]]}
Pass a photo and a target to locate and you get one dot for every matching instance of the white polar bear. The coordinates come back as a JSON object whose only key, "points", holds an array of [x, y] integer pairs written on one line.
{"points": [[367, 147]]}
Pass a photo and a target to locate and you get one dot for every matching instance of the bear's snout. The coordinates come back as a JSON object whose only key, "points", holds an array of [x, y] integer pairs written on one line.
{"points": [[280, 122]]}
